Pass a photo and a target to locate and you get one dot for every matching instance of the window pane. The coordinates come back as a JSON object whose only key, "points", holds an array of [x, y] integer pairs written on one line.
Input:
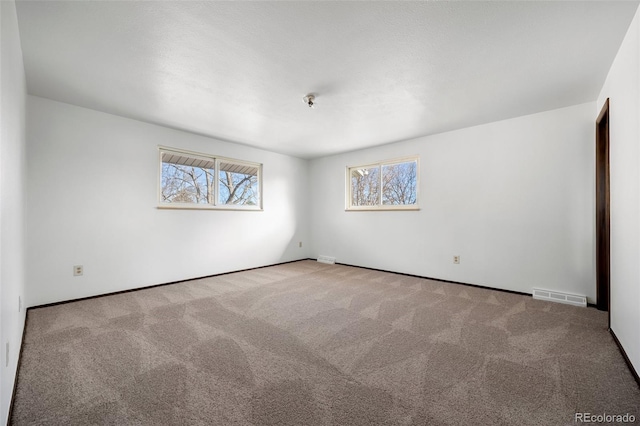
{"points": [[187, 179], [399, 183], [365, 186], [238, 184]]}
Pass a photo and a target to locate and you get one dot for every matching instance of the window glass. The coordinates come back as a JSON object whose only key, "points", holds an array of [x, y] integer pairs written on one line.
{"points": [[399, 183], [187, 179], [365, 186], [238, 184]]}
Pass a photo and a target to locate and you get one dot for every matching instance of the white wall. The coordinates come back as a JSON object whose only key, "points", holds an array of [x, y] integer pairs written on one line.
{"points": [[92, 196], [515, 199], [12, 200], [622, 87]]}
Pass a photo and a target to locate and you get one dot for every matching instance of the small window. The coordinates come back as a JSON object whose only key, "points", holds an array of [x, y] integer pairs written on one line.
{"points": [[387, 185], [190, 180]]}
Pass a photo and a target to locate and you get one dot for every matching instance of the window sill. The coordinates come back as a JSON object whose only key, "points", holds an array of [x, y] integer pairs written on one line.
{"points": [[381, 209], [207, 207]]}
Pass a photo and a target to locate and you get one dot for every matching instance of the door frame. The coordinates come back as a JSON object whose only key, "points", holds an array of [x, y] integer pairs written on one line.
{"points": [[603, 217]]}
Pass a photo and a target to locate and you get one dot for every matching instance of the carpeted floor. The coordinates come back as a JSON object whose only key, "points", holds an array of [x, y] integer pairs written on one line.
{"points": [[311, 344]]}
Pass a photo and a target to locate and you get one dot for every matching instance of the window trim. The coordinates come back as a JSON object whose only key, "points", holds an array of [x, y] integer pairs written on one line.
{"points": [[380, 206], [217, 160]]}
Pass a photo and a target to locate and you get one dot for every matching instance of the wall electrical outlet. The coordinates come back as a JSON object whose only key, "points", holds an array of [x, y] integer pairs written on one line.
{"points": [[78, 270], [456, 259]]}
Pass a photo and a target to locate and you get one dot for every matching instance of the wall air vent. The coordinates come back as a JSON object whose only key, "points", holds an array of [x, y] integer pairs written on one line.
{"points": [[326, 259], [555, 296]]}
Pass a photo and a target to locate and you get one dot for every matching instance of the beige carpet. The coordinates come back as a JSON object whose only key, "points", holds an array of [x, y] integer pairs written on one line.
{"points": [[312, 344]]}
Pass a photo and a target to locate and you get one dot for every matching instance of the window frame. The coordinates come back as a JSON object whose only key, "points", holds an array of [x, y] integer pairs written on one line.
{"points": [[380, 206], [216, 183]]}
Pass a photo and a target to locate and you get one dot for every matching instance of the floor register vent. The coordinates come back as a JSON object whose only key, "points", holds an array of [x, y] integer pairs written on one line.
{"points": [[556, 296], [326, 259]]}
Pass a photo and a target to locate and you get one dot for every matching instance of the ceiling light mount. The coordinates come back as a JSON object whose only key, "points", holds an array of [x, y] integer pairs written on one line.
{"points": [[309, 99]]}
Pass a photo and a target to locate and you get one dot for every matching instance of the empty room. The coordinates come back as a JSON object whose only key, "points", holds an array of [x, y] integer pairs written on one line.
{"points": [[319, 212]]}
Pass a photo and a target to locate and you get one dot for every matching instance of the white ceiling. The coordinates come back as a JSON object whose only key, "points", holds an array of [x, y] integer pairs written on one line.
{"points": [[381, 71]]}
